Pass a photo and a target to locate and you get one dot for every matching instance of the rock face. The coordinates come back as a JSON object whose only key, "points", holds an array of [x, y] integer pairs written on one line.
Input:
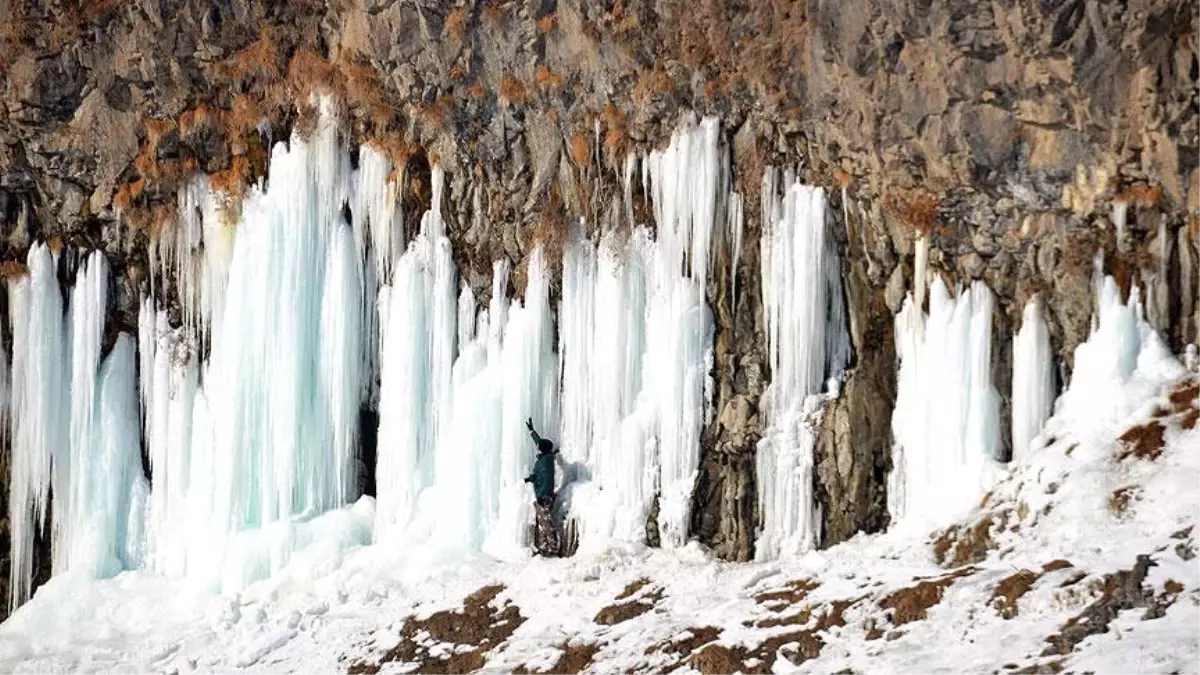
{"points": [[1010, 133]]}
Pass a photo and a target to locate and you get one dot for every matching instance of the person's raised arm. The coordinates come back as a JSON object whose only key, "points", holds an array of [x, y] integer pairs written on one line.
{"points": [[533, 434]]}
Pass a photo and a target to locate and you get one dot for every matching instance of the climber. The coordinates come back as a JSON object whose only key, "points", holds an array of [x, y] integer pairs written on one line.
{"points": [[545, 539]]}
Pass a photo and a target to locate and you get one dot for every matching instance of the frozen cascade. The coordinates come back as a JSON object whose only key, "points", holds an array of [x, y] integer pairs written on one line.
{"points": [[249, 408], [39, 413], [75, 427], [1033, 378], [946, 419], [417, 319], [262, 434], [684, 182], [1121, 345], [607, 432], [808, 345], [635, 338]]}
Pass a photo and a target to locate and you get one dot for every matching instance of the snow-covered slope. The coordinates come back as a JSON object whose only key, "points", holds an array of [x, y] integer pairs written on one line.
{"points": [[1082, 557]]}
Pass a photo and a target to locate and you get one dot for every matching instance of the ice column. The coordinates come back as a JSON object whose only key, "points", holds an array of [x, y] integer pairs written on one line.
{"points": [[263, 432], [608, 426], [417, 316], [1033, 379], [684, 181], [1121, 346], [807, 344], [40, 414], [946, 419]]}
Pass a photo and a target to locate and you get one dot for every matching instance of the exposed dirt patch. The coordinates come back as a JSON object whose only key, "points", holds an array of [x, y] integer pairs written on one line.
{"points": [[1144, 441], [698, 638], [1189, 419], [1184, 396], [1118, 501], [796, 591], [575, 658], [624, 611], [796, 647], [477, 625], [962, 545], [633, 587], [913, 602], [1120, 591], [1059, 564], [1009, 591], [833, 615]]}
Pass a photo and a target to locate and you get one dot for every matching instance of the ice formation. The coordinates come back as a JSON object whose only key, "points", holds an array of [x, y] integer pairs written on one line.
{"points": [[74, 427], [808, 346], [295, 302], [264, 429], [1122, 344], [39, 414], [622, 391], [1033, 378], [946, 423]]}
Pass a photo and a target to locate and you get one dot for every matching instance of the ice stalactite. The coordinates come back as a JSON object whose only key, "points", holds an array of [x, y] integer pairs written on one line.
{"points": [[607, 425], [418, 334], [75, 427], [40, 415], [736, 225], [261, 434], [1033, 378], [105, 462], [684, 181], [529, 389], [946, 419], [808, 350]]}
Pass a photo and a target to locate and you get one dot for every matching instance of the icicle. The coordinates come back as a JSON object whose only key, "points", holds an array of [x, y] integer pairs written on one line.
{"points": [[806, 345], [270, 432], [416, 365], [946, 419], [40, 413], [735, 238], [1033, 379], [1120, 211], [684, 181]]}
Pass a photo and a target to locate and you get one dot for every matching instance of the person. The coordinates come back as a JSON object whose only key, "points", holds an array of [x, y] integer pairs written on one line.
{"points": [[545, 539]]}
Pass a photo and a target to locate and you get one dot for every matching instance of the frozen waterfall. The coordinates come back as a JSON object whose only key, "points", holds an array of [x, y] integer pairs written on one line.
{"points": [[808, 350], [75, 431], [946, 422], [1033, 379]]}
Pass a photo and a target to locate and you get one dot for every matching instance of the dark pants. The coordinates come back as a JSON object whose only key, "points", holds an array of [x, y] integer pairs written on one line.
{"points": [[545, 535]]}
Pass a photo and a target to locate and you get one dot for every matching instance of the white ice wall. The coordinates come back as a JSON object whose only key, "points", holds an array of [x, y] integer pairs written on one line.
{"points": [[1033, 379], [946, 420], [74, 426], [807, 343]]}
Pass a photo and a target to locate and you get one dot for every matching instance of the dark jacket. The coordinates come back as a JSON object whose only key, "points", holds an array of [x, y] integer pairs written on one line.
{"points": [[543, 476], [543, 468]]}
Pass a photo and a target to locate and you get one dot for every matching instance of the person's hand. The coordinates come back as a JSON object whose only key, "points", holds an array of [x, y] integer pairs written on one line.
{"points": [[529, 423]]}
